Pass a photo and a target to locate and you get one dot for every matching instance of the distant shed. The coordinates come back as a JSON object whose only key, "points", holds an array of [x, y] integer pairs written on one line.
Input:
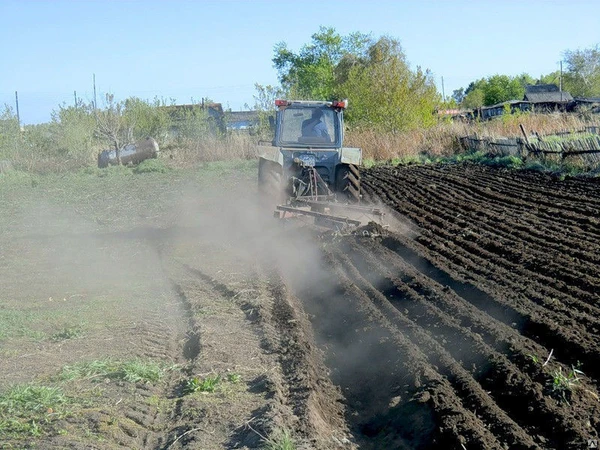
{"points": [[241, 120], [547, 97]]}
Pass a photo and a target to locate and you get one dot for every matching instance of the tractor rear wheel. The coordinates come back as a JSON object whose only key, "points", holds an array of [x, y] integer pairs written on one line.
{"points": [[347, 182], [269, 181]]}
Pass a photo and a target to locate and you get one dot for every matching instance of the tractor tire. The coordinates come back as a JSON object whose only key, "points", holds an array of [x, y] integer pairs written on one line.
{"points": [[269, 181], [347, 183]]}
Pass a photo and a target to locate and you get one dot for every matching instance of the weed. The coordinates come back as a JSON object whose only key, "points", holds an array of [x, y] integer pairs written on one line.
{"points": [[67, 333], [234, 378], [208, 384], [279, 440], [19, 324], [114, 171], [25, 409], [133, 371], [510, 162], [151, 165], [563, 383]]}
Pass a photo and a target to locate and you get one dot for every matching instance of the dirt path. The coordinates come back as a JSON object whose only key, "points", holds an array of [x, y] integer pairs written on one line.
{"points": [[192, 291]]}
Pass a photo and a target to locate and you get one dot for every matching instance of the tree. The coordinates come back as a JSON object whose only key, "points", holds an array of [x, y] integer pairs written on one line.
{"points": [[385, 93], [112, 126], [582, 76], [10, 132], [310, 73], [474, 95], [495, 89], [551, 78], [147, 119], [373, 74], [525, 79], [264, 104], [502, 88], [458, 95], [73, 130]]}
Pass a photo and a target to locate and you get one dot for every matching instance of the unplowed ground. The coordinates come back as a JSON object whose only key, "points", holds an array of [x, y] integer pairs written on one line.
{"points": [[471, 322]]}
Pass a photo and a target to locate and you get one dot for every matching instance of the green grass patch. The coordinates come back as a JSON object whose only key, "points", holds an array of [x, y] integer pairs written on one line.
{"points": [[234, 378], [27, 409], [69, 332], [279, 439], [151, 166], [224, 384], [197, 384], [20, 324], [132, 371], [566, 137], [509, 162]]}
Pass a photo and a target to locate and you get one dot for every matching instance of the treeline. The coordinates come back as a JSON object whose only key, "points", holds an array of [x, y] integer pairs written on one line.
{"points": [[580, 77], [385, 94]]}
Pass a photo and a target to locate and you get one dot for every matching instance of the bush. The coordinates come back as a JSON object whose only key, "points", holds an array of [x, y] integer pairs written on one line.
{"points": [[151, 165]]}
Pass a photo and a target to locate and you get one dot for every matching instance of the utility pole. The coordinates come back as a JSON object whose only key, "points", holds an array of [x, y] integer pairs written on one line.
{"points": [[95, 100], [443, 93], [560, 79], [560, 83], [17, 103], [75, 95]]}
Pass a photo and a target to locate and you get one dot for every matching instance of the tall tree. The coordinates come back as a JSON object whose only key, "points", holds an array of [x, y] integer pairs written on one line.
{"points": [[264, 104], [310, 73], [373, 74], [582, 76], [458, 95], [495, 89], [385, 93], [501, 88], [474, 94]]}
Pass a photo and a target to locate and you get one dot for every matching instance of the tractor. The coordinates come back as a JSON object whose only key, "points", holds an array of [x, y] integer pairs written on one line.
{"points": [[306, 169]]}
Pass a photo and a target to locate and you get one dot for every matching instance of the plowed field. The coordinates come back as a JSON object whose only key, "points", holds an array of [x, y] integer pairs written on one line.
{"points": [[497, 293], [468, 319]]}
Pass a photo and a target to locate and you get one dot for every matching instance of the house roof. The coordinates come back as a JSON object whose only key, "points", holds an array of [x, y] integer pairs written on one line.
{"points": [[587, 99], [242, 116], [546, 93], [213, 109]]}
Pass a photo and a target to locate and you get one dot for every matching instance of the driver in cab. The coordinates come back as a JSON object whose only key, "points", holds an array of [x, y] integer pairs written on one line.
{"points": [[315, 127]]}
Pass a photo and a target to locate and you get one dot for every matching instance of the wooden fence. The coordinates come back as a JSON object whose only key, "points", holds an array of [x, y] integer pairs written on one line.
{"points": [[584, 150]]}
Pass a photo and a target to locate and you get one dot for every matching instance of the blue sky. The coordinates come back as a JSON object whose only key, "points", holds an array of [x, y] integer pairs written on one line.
{"points": [[188, 50]]}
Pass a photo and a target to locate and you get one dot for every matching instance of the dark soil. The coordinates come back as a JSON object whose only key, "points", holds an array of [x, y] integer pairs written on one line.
{"points": [[498, 272]]}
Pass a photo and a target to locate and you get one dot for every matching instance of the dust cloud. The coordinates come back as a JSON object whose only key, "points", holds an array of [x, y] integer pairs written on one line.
{"points": [[113, 269]]}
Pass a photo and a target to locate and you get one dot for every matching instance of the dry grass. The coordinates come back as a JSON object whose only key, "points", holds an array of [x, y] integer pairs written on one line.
{"points": [[211, 148], [442, 139]]}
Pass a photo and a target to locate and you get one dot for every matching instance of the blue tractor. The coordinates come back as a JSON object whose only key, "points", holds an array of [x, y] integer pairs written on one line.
{"points": [[305, 168]]}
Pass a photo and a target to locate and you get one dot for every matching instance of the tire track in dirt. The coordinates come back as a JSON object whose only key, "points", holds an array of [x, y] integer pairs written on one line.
{"points": [[295, 391]]}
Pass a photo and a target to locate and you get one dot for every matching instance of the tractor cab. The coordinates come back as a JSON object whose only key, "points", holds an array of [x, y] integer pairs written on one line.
{"points": [[309, 124]]}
